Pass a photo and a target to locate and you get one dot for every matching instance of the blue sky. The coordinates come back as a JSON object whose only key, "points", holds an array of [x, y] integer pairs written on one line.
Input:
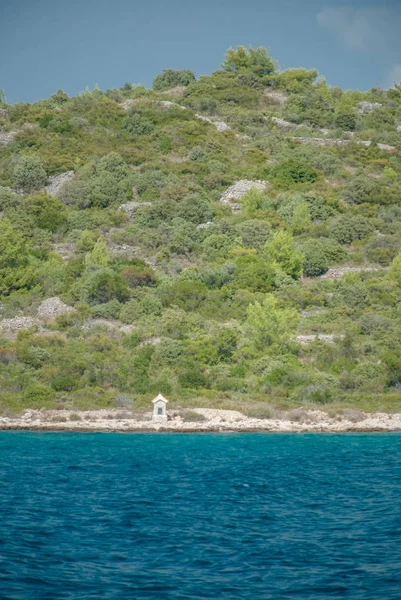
{"points": [[51, 44]]}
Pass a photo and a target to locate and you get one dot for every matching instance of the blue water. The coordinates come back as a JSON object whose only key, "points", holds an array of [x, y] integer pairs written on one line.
{"points": [[172, 516]]}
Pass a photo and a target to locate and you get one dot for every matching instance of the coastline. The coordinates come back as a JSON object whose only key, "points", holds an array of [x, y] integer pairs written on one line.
{"points": [[210, 421]]}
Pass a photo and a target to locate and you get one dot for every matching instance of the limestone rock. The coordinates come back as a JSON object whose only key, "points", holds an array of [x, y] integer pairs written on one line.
{"points": [[7, 137], [399, 128], [205, 225], [169, 104], [342, 143], [3, 113], [129, 207], [277, 96], [55, 182], [12, 326], [238, 189], [220, 125], [283, 124], [53, 307], [367, 107]]}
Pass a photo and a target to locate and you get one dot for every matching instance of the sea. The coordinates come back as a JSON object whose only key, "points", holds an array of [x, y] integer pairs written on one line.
{"points": [[172, 516]]}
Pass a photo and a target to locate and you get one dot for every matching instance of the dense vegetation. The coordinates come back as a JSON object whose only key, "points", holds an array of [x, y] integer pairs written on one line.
{"points": [[179, 293]]}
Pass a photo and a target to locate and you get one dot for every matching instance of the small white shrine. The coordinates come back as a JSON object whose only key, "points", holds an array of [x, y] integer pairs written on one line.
{"points": [[159, 408]]}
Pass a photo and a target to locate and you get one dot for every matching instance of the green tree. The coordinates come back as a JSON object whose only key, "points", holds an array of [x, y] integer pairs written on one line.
{"points": [[29, 173], [15, 272], [269, 323], [394, 272], [99, 256], [170, 78], [242, 59], [281, 251]]}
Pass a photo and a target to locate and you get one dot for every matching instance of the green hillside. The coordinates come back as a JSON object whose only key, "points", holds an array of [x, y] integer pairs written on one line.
{"points": [[232, 240]]}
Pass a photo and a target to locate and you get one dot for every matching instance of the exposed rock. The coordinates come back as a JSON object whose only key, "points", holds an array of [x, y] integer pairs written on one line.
{"points": [[321, 337], [169, 104], [53, 307], [399, 128], [238, 189], [7, 137], [220, 125], [367, 107], [3, 113], [205, 225], [55, 182], [178, 90], [338, 272], [123, 249], [342, 143], [277, 96], [283, 124], [129, 207], [127, 328], [152, 341], [12, 326], [127, 103], [66, 250]]}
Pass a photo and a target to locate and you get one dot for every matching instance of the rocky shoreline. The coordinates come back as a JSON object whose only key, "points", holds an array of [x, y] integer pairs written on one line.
{"points": [[201, 420]]}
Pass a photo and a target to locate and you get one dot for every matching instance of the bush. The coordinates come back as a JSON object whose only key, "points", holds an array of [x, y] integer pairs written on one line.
{"points": [[170, 78], [359, 189], [104, 285], [319, 253], [349, 228], [292, 171], [37, 394], [137, 125], [29, 174]]}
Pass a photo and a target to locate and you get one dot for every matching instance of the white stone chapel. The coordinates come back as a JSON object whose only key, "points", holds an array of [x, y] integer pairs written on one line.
{"points": [[159, 408]]}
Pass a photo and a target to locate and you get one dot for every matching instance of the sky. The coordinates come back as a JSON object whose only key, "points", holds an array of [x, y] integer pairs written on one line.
{"points": [[70, 44]]}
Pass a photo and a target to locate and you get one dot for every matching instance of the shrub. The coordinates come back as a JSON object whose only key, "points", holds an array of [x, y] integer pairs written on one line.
{"points": [[29, 174], [292, 171], [319, 253], [359, 189], [349, 228], [170, 78], [37, 394], [104, 285], [137, 125]]}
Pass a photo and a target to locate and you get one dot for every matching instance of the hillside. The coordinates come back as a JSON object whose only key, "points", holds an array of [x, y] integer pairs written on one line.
{"points": [[231, 241]]}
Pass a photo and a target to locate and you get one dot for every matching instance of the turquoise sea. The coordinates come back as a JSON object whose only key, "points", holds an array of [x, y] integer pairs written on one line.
{"points": [[191, 516]]}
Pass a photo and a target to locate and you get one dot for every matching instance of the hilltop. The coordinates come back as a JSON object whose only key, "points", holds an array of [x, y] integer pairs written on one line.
{"points": [[232, 241]]}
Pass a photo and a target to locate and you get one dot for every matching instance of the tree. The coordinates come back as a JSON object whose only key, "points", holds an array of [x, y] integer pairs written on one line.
{"points": [[15, 272], [269, 324], [99, 256], [48, 213], [281, 251], [242, 59], [394, 272], [29, 174], [170, 78]]}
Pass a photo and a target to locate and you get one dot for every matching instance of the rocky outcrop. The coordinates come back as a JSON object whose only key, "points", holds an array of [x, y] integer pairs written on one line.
{"points": [[399, 128], [220, 125], [3, 113], [169, 104], [314, 337], [130, 207], [342, 143], [51, 308], [239, 189], [7, 137], [276, 96], [338, 272], [283, 124], [205, 225], [13, 326], [57, 181], [367, 107]]}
